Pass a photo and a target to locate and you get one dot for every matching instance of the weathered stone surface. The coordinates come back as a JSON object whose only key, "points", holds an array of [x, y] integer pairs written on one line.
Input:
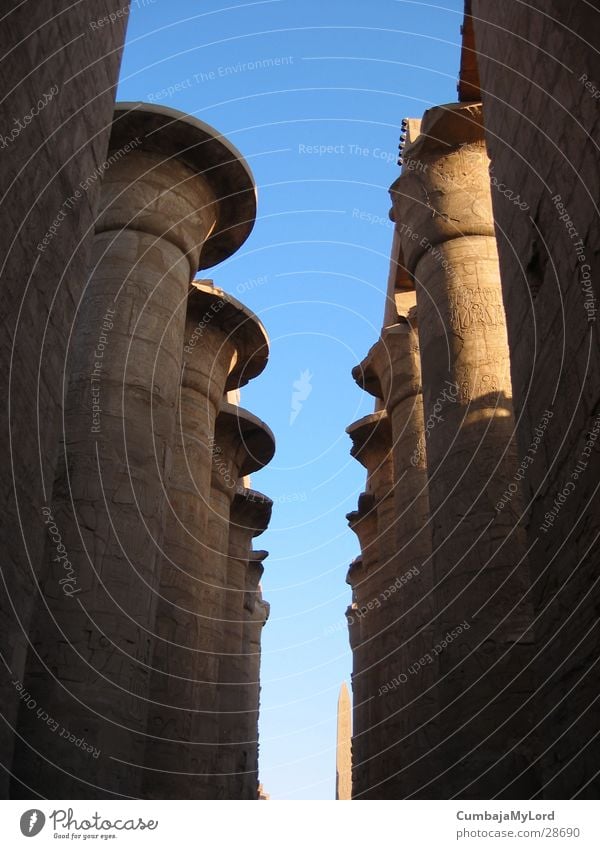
{"points": [[249, 516], [118, 443], [453, 716], [170, 133], [243, 444], [256, 613], [372, 442], [361, 577], [56, 114], [392, 373], [224, 345], [539, 82], [443, 213]]}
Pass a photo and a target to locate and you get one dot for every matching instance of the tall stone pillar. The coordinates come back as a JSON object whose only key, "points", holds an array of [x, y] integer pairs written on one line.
{"points": [[249, 516], [242, 445], [371, 438], [256, 613], [362, 577], [392, 373], [59, 78], [443, 214], [225, 346], [175, 197], [359, 709]]}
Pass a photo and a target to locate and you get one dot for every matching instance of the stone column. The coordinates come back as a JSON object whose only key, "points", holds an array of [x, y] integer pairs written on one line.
{"points": [[358, 679], [59, 78], [443, 214], [225, 346], [242, 445], [362, 577], [249, 516], [392, 373], [166, 210], [371, 438], [256, 613]]}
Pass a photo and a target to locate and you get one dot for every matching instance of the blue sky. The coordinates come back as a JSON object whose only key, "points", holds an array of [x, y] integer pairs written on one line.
{"points": [[319, 127]]}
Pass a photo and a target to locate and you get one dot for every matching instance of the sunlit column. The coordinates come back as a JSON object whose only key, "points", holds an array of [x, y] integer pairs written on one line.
{"points": [[443, 214]]}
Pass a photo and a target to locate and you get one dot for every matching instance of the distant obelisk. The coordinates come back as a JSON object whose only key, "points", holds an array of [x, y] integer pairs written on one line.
{"points": [[343, 760]]}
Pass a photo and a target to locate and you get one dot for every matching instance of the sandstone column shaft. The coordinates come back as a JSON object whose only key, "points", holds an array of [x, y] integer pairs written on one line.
{"points": [[108, 501], [256, 613], [443, 214], [371, 438], [96, 622], [360, 617], [243, 444], [249, 516], [391, 372], [52, 53], [222, 340]]}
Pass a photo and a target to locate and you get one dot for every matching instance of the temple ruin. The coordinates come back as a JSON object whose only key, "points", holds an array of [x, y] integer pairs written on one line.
{"points": [[131, 608]]}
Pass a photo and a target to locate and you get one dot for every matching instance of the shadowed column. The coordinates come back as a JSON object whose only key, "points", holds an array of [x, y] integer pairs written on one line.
{"points": [[168, 208], [249, 516], [225, 347], [362, 575], [443, 215], [243, 444], [392, 373], [371, 446], [49, 56], [256, 613]]}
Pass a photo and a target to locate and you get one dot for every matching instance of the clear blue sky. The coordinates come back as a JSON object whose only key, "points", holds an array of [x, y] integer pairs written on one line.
{"points": [[314, 270]]}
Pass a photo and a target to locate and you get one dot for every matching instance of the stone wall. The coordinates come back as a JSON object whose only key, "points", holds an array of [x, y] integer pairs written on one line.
{"points": [[540, 85]]}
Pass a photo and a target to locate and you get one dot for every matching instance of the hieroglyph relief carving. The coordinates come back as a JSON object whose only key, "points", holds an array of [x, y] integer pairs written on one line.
{"points": [[471, 309]]}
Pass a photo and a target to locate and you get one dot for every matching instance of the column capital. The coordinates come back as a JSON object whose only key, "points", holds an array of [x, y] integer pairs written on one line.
{"points": [[245, 443], [391, 369], [367, 374], [176, 136], [251, 511], [253, 576], [256, 559], [354, 572], [212, 307], [262, 610], [443, 192], [351, 609], [363, 521], [445, 126], [353, 624], [371, 440]]}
